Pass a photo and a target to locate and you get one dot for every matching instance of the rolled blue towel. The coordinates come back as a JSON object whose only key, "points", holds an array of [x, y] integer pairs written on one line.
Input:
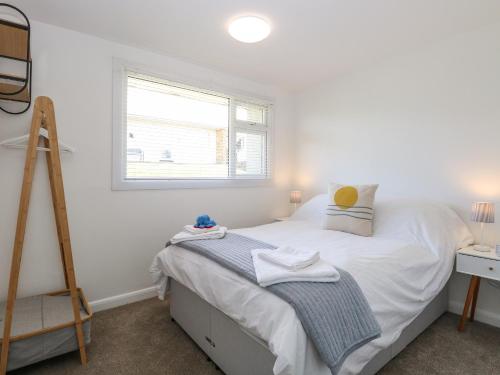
{"points": [[204, 221]]}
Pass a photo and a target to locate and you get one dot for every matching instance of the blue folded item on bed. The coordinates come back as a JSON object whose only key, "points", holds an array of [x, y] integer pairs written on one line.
{"points": [[204, 221], [336, 316]]}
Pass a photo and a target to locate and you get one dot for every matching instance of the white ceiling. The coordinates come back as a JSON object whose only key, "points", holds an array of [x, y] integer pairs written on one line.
{"points": [[311, 40]]}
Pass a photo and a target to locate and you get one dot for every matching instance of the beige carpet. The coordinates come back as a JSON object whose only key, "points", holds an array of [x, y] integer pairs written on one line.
{"points": [[140, 339]]}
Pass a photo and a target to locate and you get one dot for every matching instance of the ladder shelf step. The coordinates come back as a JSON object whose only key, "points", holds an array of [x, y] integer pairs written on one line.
{"points": [[43, 313]]}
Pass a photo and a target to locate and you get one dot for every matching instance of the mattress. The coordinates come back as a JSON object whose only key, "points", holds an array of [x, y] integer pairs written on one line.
{"points": [[398, 279]]}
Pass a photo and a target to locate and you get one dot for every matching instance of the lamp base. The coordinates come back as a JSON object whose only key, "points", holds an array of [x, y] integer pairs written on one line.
{"points": [[482, 248]]}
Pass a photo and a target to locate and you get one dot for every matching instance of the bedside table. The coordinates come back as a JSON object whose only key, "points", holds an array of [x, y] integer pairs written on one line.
{"points": [[479, 265]]}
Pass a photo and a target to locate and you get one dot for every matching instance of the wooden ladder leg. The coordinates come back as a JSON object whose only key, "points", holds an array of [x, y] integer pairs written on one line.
{"points": [[29, 168], [57, 187], [54, 200]]}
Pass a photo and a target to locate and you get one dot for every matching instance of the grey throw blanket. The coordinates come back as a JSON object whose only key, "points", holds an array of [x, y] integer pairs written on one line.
{"points": [[336, 316]]}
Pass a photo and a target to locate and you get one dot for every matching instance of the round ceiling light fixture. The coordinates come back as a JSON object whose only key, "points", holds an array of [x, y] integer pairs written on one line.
{"points": [[249, 29]]}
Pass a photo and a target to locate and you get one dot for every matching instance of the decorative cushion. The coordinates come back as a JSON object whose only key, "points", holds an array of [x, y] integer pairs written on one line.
{"points": [[350, 208]]}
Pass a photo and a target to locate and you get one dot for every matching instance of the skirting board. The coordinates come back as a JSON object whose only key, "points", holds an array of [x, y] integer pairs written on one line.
{"points": [[455, 307], [123, 299], [483, 316]]}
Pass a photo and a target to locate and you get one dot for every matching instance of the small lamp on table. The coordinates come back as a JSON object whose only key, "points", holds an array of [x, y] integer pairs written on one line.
{"points": [[484, 213], [295, 198]]}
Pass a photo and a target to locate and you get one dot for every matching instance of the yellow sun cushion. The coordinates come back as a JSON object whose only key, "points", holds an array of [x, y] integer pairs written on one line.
{"points": [[350, 208]]}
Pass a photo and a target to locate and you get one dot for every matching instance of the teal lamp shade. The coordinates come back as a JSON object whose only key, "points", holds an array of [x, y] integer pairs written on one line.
{"points": [[483, 212]]}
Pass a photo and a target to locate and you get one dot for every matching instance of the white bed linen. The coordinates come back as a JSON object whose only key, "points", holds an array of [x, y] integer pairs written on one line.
{"points": [[398, 279]]}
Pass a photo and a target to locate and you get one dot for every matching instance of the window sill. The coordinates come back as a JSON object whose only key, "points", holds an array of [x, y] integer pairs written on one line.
{"points": [[188, 184]]}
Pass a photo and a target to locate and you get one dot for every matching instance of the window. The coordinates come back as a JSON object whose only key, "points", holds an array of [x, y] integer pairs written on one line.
{"points": [[172, 135]]}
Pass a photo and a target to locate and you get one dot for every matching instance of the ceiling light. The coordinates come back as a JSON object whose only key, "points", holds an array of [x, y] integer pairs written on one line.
{"points": [[249, 29]]}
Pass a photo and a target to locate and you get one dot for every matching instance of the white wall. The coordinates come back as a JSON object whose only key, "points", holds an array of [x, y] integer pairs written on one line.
{"points": [[115, 234], [422, 125]]}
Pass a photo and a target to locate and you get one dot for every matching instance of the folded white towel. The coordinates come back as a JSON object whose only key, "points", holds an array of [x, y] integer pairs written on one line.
{"points": [[269, 273], [186, 236], [290, 257], [193, 229]]}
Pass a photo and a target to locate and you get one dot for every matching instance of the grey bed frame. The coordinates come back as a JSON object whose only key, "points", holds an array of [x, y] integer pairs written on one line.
{"points": [[238, 352]]}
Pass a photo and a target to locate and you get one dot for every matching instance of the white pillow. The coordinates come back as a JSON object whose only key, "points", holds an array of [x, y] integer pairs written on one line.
{"points": [[429, 224], [313, 210]]}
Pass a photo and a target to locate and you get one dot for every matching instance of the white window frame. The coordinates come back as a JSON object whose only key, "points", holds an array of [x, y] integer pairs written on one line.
{"points": [[120, 182]]}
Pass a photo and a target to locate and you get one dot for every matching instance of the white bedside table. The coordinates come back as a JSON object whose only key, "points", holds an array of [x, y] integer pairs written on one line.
{"points": [[478, 264]]}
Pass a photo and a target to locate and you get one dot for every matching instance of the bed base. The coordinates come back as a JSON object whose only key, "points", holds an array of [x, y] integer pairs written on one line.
{"points": [[237, 352]]}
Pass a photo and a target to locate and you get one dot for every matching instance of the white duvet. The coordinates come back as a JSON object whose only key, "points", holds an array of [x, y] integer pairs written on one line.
{"points": [[398, 271]]}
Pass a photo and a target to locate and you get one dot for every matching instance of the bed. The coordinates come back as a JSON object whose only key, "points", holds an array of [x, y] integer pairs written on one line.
{"points": [[402, 270]]}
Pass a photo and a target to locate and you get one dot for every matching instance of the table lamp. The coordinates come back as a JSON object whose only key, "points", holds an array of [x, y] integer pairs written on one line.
{"points": [[483, 212], [295, 198]]}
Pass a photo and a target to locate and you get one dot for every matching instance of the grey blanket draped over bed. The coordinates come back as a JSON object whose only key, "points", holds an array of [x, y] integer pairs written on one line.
{"points": [[335, 316]]}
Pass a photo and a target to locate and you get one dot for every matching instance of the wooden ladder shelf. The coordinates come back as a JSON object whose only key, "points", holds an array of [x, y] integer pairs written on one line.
{"points": [[44, 117]]}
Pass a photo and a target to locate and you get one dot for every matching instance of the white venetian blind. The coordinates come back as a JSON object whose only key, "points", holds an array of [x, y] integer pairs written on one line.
{"points": [[174, 132], [177, 132], [251, 113], [251, 144], [251, 153]]}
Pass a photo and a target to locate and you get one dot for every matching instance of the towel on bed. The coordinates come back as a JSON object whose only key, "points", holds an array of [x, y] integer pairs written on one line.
{"points": [[186, 236], [196, 230], [291, 258], [268, 273]]}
